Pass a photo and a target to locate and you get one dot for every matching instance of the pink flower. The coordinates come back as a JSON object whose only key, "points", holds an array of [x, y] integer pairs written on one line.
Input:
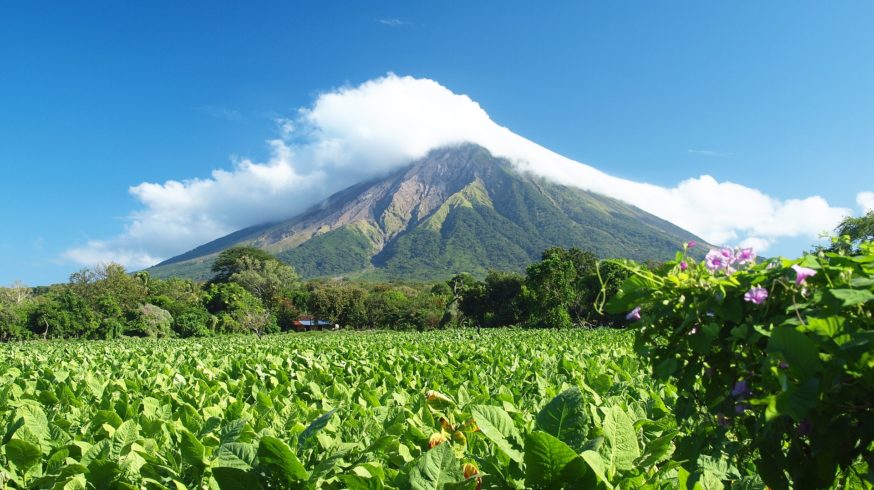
{"points": [[691, 244], [633, 315], [714, 261], [745, 256], [802, 273], [756, 295], [683, 265]]}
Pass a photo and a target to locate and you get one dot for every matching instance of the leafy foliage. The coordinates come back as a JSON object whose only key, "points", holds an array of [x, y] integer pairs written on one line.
{"points": [[449, 409], [774, 364]]}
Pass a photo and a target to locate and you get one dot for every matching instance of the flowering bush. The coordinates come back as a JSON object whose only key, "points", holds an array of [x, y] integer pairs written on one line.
{"points": [[773, 362]]}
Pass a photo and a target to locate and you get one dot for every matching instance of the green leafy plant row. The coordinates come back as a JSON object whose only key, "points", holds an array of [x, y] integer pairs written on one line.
{"points": [[451, 409]]}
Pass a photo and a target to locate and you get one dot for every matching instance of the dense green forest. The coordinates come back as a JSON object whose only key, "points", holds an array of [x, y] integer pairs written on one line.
{"points": [[252, 291]]}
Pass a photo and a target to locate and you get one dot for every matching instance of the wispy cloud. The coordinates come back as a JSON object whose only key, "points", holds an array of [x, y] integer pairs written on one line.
{"points": [[708, 153], [220, 112], [865, 201], [394, 22], [354, 133], [285, 126]]}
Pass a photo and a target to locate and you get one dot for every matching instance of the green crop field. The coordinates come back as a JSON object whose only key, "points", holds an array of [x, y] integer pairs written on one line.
{"points": [[502, 408]]}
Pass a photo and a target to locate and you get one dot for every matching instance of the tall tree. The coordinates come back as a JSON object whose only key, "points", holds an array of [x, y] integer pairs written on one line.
{"points": [[229, 262], [853, 230], [266, 279], [550, 285]]}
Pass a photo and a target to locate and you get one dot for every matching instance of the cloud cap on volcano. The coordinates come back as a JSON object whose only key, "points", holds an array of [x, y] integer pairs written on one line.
{"points": [[359, 132]]}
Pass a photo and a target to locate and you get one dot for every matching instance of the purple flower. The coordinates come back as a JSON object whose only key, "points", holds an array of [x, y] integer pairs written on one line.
{"points": [[756, 295], [745, 256], [728, 254], [740, 408], [633, 315], [783, 365], [803, 428], [683, 265], [740, 389], [691, 244], [715, 261], [802, 273]]}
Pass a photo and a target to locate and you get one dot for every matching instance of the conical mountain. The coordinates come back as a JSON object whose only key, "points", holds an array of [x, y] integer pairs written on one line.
{"points": [[458, 209]]}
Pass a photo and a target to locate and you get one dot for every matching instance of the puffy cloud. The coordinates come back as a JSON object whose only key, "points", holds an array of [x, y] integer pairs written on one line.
{"points": [[865, 201], [99, 252], [354, 133]]}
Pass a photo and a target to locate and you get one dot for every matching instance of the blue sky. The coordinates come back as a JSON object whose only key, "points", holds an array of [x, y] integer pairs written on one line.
{"points": [[98, 97]]}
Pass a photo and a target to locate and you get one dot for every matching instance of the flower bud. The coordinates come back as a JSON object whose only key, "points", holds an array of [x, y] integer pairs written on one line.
{"points": [[436, 439]]}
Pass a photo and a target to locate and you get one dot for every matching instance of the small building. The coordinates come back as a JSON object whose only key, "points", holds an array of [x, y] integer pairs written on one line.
{"points": [[307, 323]]}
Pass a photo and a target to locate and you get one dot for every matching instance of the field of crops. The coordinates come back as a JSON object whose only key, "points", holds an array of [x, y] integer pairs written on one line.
{"points": [[450, 409]]}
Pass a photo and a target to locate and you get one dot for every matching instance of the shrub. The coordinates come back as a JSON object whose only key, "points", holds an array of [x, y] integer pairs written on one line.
{"points": [[778, 355]]}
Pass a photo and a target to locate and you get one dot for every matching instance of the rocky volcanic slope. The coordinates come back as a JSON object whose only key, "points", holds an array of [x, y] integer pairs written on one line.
{"points": [[458, 209]]}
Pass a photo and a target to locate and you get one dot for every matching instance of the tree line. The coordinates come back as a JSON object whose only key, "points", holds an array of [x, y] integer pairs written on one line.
{"points": [[252, 291]]}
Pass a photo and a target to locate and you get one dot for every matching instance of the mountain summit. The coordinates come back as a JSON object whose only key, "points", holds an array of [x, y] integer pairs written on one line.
{"points": [[458, 209]]}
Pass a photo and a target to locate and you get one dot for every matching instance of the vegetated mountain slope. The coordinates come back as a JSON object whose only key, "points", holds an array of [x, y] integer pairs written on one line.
{"points": [[458, 209]]}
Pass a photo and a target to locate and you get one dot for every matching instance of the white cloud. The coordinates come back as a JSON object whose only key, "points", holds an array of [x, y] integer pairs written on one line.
{"points": [[758, 244], [865, 201], [708, 153], [353, 133], [393, 22]]}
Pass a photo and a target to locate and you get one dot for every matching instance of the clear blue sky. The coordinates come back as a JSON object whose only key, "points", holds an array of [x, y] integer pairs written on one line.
{"points": [[98, 96]]}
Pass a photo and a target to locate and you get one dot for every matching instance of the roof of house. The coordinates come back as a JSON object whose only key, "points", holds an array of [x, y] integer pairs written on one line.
{"points": [[310, 322]]}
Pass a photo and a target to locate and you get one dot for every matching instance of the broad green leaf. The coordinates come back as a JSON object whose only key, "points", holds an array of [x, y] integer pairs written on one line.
{"points": [[621, 448], [277, 460], [852, 297], [105, 417], [96, 452], [235, 479], [596, 463], [151, 407], [235, 455], [24, 455], [565, 417], [192, 449], [550, 463], [830, 328], [435, 469], [657, 450], [126, 434], [799, 351], [232, 431], [633, 290], [795, 402], [495, 423], [34, 420], [356, 482], [311, 430], [76, 482]]}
